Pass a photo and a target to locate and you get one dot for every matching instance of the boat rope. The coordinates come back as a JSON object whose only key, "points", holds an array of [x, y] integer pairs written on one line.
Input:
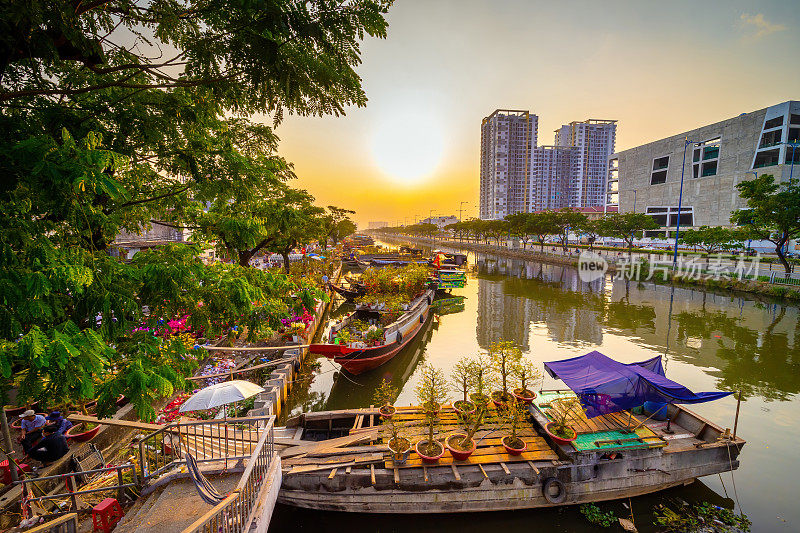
{"points": [[733, 479], [723, 485], [345, 375]]}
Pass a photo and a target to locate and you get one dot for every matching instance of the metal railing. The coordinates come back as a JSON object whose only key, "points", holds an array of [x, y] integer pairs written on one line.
{"points": [[72, 492], [236, 513], [67, 523], [207, 440]]}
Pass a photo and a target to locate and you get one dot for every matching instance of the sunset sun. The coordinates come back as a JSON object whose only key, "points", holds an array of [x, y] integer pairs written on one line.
{"points": [[408, 146]]}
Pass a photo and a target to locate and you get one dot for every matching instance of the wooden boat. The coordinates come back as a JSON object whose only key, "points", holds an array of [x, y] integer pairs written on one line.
{"points": [[348, 293], [358, 357], [341, 463]]}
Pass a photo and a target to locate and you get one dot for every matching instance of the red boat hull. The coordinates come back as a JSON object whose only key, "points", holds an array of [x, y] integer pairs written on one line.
{"points": [[357, 361]]}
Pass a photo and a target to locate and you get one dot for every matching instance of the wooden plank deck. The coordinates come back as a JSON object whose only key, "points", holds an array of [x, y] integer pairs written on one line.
{"points": [[411, 424]]}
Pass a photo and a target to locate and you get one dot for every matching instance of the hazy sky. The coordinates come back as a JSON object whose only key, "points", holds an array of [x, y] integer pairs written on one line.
{"points": [[659, 68]]}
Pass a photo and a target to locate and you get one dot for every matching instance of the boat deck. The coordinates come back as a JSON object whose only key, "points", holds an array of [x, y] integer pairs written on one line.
{"points": [[411, 423]]}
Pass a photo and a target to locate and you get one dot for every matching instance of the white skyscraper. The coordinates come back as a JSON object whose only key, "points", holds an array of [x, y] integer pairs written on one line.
{"points": [[507, 139], [595, 141]]}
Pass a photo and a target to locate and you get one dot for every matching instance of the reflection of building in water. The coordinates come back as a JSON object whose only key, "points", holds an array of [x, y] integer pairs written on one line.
{"points": [[501, 316]]}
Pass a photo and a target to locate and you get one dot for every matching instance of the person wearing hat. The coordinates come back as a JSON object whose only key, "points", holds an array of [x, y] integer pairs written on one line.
{"points": [[61, 423], [50, 447], [32, 425]]}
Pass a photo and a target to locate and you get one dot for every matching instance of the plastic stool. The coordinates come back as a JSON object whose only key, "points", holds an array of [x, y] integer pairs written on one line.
{"points": [[106, 514], [5, 471]]}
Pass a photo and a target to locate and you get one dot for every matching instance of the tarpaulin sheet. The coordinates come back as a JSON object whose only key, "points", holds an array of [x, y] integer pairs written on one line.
{"points": [[604, 385]]}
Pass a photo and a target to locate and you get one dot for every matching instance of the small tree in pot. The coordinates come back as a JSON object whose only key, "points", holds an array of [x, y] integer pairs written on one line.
{"points": [[515, 414], [527, 375], [461, 379], [560, 414], [505, 357], [480, 381], [384, 396], [431, 393], [462, 445], [398, 444]]}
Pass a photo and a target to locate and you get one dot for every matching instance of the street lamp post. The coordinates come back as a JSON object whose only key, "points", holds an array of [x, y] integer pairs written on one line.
{"points": [[686, 143], [793, 144]]}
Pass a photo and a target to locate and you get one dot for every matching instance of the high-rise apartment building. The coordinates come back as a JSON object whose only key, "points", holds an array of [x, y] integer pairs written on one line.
{"points": [[595, 140], [507, 138], [517, 176]]}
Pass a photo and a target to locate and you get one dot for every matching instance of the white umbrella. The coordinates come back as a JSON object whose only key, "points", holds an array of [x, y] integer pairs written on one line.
{"points": [[221, 394], [218, 395]]}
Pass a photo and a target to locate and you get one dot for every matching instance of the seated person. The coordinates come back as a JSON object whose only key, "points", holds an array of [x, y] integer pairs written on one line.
{"points": [[51, 447], [32, 425], [62, 423]]}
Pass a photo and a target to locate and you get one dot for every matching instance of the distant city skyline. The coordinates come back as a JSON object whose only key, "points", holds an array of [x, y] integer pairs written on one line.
{"points": [[659, 69]]}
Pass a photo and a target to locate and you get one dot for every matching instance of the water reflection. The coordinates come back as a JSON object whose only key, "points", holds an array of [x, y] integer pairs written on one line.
{"points": [[748, 345]]}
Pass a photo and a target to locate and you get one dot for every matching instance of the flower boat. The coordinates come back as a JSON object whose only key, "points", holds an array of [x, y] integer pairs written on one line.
{"points": [[365, 352]]}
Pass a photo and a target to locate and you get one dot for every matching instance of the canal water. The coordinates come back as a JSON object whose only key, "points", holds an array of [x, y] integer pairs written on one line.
{"points": [[709, 341]]}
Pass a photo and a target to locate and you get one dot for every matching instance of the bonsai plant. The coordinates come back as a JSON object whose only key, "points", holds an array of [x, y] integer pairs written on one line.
{"points": [[462, 445], [431, 392], [480, 380], [515, 415], [559, 414], [384, 396], [460, 380], [526, 375], [505, 357], [399, 445]]}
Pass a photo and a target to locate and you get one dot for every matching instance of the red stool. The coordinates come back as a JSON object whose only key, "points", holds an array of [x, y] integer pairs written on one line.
{"points": [[106, 514], [5, 471]]}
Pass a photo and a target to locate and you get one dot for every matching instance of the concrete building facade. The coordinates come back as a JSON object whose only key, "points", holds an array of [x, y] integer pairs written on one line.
{"points": [[646, 179]]}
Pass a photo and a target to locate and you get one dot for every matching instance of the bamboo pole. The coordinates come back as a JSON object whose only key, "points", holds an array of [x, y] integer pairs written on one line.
{"points": [[736, 419], [8, 444]]}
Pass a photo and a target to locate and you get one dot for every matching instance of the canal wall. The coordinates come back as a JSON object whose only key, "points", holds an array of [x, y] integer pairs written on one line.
{"points": [[785, 292]]}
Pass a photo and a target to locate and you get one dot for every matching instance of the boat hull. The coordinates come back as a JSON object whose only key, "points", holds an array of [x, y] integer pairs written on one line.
{"points": [[496, 490]]}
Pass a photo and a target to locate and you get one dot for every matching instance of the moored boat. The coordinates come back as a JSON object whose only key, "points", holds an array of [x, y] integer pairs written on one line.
{"points": [[374, 347], [342, 462]]}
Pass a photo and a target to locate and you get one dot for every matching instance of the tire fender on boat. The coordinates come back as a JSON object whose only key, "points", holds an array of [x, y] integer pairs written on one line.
{"points": [[422, 318], [399, 338], [559, 496], [429, 299]]}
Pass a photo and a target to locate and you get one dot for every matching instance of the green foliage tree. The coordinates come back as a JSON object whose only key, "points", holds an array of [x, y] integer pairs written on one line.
{"points": [[772, 214], [505, 356], [431, 393], [626, 226]]}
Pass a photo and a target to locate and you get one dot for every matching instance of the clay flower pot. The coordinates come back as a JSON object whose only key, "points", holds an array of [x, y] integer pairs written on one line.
{"points": [[510, 449], [74, 434], [430, 459], [16, 411], [560, 440], [464, 408], [524, 396], [400, 448], [499, 401], [387, 411], [458, 454]]}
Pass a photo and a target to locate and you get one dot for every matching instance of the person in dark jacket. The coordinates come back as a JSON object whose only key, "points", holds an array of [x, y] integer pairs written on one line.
{"points": [[61, 423], [51, 447]]}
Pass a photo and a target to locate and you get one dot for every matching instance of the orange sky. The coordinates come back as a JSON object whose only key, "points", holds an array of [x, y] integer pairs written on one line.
{"points": [[657, 68]]}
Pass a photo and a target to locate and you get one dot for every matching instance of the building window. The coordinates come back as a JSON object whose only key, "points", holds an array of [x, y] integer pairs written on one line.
{"points": [[767, 158], [705, 158], [773, 122], [659, 172], [668, 216]]}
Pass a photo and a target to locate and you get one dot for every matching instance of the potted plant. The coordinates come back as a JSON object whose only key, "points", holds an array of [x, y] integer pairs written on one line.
{"points": [[384, 396], [461, 378], [462, 445], [515, 414], [559, 414], [399, 445], [526, 375], [431, 393], [480, 380], [82, 431], [505, 357]]}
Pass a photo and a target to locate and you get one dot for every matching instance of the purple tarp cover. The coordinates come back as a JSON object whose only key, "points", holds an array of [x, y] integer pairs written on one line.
{"points": [[604, 385]]}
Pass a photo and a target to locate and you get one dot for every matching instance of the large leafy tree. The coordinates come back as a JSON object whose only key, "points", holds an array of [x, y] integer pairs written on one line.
{"points": [[626, 226], [114, 113], [772, 214]]}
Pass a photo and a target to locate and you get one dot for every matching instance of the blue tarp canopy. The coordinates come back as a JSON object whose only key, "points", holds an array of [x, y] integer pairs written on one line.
{"points": [[607, 386]]}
